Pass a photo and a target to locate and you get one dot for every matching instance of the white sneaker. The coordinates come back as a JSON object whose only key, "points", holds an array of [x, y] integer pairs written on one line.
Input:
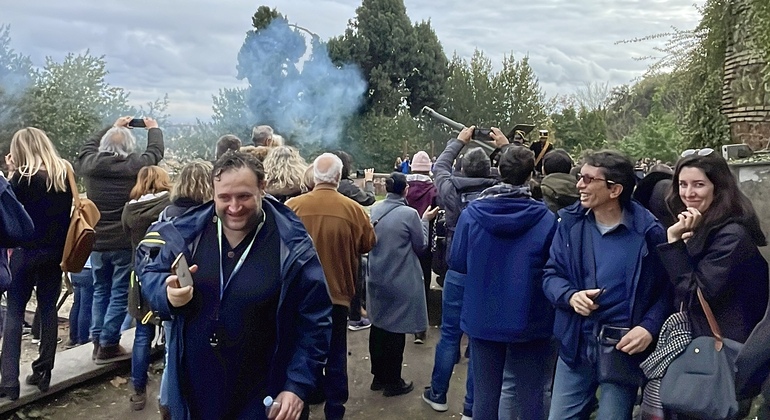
{"points": [[466, 418]]}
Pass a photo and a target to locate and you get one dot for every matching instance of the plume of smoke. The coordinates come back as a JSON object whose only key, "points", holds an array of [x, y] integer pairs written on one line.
{"points": [[308, 101]]}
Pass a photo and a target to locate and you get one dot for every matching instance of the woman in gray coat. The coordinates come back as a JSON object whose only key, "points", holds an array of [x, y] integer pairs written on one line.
{"points": [[395, 297]]}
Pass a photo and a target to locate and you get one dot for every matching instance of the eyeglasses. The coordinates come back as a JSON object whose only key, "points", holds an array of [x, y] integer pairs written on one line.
{"points": [[587, 179], [700, 152]]}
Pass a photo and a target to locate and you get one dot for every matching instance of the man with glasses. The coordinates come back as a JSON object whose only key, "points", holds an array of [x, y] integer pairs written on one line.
{"points": [[608, 286]]}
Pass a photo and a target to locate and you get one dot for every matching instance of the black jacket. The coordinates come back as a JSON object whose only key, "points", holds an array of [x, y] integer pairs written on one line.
{"points": [[726, 264], [109, 179], [350, 190]]}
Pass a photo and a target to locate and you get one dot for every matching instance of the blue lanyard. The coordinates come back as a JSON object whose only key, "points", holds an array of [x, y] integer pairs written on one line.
{"points": [[222, 284]]}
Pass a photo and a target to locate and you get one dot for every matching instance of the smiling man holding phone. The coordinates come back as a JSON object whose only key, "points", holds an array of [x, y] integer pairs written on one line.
{"points": [[256, 320], [608, 286]]}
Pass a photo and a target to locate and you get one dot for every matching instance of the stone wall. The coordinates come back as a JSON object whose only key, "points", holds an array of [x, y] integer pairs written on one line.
{"points": [[746, 93], [754, 181]]}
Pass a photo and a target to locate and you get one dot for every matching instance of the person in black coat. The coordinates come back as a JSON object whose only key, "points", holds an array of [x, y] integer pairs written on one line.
{"points": [[713, 246]]}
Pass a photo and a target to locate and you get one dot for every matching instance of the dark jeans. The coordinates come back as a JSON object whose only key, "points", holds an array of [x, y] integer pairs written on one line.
{"points": [[528, 363], [360, 297], [140, 354], [386, 353], [30, 269], [335, 379], [80, 314], [111, 270]]}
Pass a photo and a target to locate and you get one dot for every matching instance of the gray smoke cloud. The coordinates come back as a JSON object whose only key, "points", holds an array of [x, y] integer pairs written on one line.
{"points": [[295, 89]]}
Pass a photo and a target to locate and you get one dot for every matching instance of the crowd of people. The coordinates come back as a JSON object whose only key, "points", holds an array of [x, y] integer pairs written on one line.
{"points": [[567, 278]]}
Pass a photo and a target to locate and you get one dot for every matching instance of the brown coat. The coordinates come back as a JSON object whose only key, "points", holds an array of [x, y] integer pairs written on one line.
{"points": [[341, 232]]}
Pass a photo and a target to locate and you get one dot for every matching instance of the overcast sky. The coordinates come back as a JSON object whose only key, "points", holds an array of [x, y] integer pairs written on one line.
{"points": [[188, 48]]}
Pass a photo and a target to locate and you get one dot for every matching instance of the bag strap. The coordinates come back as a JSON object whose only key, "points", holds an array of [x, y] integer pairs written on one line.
{"points": [[542, 152], [73, 185], [712, 321], [374, 223]]}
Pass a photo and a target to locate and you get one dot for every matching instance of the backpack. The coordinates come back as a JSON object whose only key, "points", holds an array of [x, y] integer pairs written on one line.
{"points": [[80, 234], [438, 246]]}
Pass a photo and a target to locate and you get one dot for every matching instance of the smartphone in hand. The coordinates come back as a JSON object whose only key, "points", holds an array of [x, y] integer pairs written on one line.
{"points": [[601, 292], [137, 123], [182, 271]]}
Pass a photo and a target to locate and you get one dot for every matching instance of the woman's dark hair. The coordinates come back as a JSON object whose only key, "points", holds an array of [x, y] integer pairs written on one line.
{"points": [[616, 168], [729, 201], [347, 161], [395, 183]]}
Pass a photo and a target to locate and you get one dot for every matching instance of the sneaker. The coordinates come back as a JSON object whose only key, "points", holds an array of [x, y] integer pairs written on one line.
{"points": [[419, 338], [435, 405], [464, 417], [359, 325], [138, 401], [110, 354]]}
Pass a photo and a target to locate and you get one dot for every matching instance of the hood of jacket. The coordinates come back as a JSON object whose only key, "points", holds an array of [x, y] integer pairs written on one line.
{"points": [[505, 210], [464, 184], [562, 184]]}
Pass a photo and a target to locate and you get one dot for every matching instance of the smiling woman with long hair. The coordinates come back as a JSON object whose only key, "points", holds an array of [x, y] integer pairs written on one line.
{"points": [[40, 183], [713, 246]]}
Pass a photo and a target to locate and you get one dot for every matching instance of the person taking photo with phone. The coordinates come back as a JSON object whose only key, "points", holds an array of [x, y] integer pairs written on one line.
{"points": [[109, 163]]}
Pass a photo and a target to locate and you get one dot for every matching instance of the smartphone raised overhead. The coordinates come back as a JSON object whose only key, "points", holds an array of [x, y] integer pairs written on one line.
{"points": [[182, 271], [137, 123]]}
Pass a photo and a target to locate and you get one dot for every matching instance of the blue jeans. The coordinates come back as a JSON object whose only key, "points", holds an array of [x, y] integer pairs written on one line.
{"points": [[448, 347], [574, 388], [163, 393], [527, 364], [140, 355], [80, 313], [509, 408], [111, 270]]}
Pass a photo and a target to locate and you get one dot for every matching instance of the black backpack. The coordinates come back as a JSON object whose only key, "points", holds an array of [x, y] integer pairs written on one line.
{"points": [[439, 237]]}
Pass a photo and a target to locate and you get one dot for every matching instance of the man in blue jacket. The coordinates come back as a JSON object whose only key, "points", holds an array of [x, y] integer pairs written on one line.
{"points": [[257, 320], [605, 278], [501, 246]]}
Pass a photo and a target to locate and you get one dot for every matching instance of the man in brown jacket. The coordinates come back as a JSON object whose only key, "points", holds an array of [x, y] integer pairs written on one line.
{"points": [[341, 232]]}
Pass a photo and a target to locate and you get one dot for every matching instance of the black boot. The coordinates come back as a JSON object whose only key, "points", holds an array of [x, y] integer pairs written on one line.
{"points": [[41, 379]]}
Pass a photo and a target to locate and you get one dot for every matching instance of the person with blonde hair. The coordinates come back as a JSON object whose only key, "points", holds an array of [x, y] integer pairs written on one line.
{"points": [[39, 181], [149, 198], [284, 172], [109, 163], [259, 152]]}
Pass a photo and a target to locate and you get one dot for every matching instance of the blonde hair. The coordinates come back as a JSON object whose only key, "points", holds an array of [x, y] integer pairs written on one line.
{"points": [[259, 152], [308, 180], [284, 168], [194, 182], [32, 151], [150, 180]]}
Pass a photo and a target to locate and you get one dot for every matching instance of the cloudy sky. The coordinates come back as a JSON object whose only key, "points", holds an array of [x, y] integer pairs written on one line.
{"points": [[188, 48]]}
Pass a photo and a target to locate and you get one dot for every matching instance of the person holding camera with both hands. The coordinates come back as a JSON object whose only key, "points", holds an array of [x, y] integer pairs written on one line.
{"points": [[109, 163]]}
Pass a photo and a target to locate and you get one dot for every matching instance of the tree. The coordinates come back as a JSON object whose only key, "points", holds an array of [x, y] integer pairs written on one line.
{"points": [[231, 114], [519, 97], [403, 64], [71, 100], [16, 75]]}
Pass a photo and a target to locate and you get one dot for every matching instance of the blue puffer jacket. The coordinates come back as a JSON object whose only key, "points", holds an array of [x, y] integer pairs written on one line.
{"points": [[304, 308], [501, 245], [565, 274]]}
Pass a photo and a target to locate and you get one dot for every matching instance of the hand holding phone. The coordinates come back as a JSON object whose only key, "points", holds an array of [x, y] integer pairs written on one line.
{"points": [[182, 271], [596, 296]]}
